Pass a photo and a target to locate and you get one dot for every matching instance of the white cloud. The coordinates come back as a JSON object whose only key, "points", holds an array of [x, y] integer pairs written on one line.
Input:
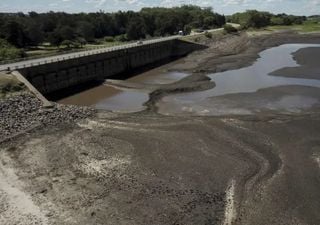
{"points": [[97, 3]]}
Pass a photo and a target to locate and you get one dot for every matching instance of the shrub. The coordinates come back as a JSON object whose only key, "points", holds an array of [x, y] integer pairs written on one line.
{"points": [[229, 29], [187, 29], [208, 34], [67, 43], [197, 39], [8, 85], [8, 51], [122, 38], [109, 39], [81, 41]]}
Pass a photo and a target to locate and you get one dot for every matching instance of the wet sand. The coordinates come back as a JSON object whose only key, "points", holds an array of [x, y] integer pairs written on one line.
{"points": [[250, 85], [292, 99]]}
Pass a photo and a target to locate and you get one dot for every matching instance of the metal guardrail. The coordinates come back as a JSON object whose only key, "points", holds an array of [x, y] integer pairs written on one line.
{"points": [[71, 55], [10, 61]]}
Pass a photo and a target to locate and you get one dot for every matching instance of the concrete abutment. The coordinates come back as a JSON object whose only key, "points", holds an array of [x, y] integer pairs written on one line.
{"points": [[55, 76]]}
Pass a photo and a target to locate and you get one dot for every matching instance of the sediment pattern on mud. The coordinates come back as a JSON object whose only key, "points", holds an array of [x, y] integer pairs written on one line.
{"points": [[124, 170]]}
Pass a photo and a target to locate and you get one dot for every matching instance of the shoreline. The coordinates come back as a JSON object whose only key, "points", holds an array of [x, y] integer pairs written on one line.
{"points": [[307, 58], [214, 59], [238, 51]]}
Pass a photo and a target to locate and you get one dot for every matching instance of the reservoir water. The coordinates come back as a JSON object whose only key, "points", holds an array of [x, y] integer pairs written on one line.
{"points": [[251, 89], [122, 100], [243, 91]]}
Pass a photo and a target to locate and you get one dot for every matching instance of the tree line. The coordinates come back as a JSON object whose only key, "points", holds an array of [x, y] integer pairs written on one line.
{"points": [[258, 19], [22, 30]]}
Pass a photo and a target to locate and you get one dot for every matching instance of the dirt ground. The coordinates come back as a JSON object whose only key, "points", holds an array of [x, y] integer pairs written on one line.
{"points": [[145, 168]]}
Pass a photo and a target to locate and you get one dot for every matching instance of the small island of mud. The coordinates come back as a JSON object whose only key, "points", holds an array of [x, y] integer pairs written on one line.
{"points": [[308, 60]]}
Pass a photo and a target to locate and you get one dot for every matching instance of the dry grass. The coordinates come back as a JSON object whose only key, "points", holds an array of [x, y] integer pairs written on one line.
{"points": [[9, 85]]}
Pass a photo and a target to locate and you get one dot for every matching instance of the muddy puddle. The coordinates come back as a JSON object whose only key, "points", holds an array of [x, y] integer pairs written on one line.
{"points": [[123, 100], [251, 89]]}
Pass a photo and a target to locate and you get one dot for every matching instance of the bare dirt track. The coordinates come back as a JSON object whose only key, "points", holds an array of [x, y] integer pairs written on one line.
{"points": [[145, 168]]}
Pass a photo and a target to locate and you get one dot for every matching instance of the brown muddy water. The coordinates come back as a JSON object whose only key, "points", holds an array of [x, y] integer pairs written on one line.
{"points": [[243, 91], [123, 100]]}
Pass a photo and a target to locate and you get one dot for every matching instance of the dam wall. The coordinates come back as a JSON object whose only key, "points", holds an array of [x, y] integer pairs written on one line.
{"points": [[55, 76]]}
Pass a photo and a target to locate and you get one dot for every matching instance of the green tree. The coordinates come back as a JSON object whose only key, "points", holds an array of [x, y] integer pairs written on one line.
{"points": [[209, 22], [54, 38], [66, 33], [136, 29], [85, 30], [14, 33], [187, 29], [34, 34], [275, 20]]}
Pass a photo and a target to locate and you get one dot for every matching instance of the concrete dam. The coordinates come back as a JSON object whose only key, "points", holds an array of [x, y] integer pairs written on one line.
{"points": [[54, 76]]}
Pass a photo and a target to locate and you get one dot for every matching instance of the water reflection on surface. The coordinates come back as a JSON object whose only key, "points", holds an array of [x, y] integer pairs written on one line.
{"points": [[122, 100], [236, 92], [246, 80]]}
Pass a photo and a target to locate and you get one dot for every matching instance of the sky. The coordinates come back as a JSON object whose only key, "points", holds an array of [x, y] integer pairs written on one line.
{"points": [[227, 7]]}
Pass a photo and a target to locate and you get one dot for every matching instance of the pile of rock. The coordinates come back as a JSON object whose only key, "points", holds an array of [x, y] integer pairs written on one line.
{"points": [[24, 111]]}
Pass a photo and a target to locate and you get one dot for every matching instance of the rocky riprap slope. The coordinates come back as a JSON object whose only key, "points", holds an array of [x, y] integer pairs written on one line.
{"points": [[24, 111]]}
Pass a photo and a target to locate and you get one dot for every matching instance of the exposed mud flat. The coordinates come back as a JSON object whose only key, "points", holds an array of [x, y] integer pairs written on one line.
{"points": [[253, 89], [280, 100], [144, 168], [172, 170], [238, 51], [308, 59]]}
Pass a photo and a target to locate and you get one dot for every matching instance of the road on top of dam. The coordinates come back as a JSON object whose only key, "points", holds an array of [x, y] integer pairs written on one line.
{"points": [[40, 61]]}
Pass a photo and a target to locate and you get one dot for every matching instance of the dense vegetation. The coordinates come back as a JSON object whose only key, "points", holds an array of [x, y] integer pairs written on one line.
{"points": [[8, 51], [257, 19], [22, 30]]}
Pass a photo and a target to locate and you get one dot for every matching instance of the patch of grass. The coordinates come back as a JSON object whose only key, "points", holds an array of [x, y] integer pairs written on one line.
{"points": [[9, 85], [33, 53], [307, 26]]}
